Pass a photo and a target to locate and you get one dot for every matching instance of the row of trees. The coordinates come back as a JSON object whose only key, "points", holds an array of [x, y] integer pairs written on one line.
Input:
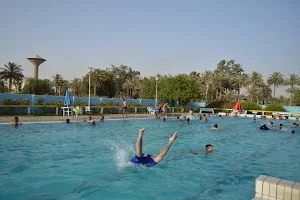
{"points": [[225, 83]]}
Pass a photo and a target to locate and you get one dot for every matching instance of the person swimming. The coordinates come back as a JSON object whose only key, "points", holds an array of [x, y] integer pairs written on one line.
{"points": [[295, 125], [177, 118], [209, 149], [89, 120], [279, 127], [254, 120], [271, 123], [204, 119], [188, 120], [149, 160], [67, 121], [102, 119], [292, 131], [191, 111], [93, 123], [220, 116], [15, 122], [216, 127], [264, 127]]}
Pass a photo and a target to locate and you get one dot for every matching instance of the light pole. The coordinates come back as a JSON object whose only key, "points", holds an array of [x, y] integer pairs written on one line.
{"points": [[90, 68], [156, 90]]}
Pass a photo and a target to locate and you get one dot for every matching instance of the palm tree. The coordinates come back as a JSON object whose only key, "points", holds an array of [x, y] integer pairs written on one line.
{"points": [[11, 72], [265, 93], [57, 82], [292, 81], [77, 87], [207, 78], [97, 77], [241, 81], [128, 85], [276, 79], [3, 87]]}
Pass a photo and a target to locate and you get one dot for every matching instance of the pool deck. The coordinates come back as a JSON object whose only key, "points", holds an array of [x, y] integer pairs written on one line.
{"points": [[32, 118]]}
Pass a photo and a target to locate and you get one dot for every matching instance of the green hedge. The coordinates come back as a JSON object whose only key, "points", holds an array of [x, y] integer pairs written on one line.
{"points": [[275, 107], [249, 105], [221, 104]]}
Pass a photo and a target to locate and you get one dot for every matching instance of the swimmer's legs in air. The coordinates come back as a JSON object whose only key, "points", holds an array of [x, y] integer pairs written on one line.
{"points": [[163, 152]]}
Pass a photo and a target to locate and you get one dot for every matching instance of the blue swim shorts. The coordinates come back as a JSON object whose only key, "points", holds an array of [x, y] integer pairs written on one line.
{"points": [[144, 160]]}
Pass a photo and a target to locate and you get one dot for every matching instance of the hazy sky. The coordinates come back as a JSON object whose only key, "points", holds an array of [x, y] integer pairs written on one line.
{"points": [[151, 36]]}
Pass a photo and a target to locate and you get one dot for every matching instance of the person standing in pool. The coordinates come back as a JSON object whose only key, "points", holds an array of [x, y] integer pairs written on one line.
{"points": [[124, 107], [15, 122], [77, 111], [204, 119], [149, 160], [164, 109]]}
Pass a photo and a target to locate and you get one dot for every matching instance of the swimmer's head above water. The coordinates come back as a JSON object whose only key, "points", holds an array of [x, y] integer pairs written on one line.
{"points": [[209, 148]]}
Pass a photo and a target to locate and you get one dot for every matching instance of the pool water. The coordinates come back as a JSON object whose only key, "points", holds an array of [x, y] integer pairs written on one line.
{"points": [[78, 161]]}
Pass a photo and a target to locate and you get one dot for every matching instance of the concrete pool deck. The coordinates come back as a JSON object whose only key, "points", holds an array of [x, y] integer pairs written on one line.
{"points": [[37, 118]]}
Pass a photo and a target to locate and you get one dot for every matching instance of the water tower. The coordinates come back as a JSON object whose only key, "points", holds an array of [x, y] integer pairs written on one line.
{"points": [[36, 61]]}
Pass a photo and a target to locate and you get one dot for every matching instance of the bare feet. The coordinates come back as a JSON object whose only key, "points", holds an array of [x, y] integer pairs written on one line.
{"points": [[141, 131], [173, 138]]}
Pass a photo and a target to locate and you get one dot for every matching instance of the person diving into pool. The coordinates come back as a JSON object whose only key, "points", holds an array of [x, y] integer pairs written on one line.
{"points": [[149, 160]]}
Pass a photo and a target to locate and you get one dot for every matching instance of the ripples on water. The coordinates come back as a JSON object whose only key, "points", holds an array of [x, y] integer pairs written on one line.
{"points": [[78, 161]]}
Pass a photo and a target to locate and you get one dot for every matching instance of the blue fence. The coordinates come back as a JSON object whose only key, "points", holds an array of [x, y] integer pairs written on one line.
{"points": [[32, 99]]}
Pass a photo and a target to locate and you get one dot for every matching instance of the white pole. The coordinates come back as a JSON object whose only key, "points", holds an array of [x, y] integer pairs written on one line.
{"points": [[90, 86], [156, 91]]}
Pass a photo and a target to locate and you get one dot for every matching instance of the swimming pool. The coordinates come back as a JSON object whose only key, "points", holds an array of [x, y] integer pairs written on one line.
{"points": [[78, 161]]}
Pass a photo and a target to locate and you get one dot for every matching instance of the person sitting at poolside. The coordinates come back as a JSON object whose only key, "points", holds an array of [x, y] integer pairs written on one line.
{"points": [[77, 111], [254, 120], [264, 127], [295, 125], [292, 131], [89, 120], [279, 127], [209, 148], [191, 111], [67, 121], [216, 127], [149, 160], [15, 122], [102, 119]]}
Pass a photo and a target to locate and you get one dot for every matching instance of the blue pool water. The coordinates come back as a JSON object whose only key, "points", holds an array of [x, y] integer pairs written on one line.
{"points": [[78, 161]]}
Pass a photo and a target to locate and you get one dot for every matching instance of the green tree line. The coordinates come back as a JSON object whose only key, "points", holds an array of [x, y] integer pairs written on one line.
{"points": [[225, 83]]}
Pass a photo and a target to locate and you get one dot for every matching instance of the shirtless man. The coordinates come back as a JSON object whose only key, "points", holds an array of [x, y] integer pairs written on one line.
{"points": [[149, 160], [125, 106], [15, 122], [209, 148], [89, 120], [164, 109]]}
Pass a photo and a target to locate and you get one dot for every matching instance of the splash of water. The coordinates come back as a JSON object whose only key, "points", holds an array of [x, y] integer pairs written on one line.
{"points": [[122, 151]]}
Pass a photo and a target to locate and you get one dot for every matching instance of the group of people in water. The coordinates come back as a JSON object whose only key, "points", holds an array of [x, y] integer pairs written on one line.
{"points": [[160, 113]]}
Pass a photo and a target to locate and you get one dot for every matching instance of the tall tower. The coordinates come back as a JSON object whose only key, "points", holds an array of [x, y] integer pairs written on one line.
{"points": [[36, 61]]}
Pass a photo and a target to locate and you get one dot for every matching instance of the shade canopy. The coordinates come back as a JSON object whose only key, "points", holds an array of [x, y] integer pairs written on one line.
{"points": [[238, 106]]}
